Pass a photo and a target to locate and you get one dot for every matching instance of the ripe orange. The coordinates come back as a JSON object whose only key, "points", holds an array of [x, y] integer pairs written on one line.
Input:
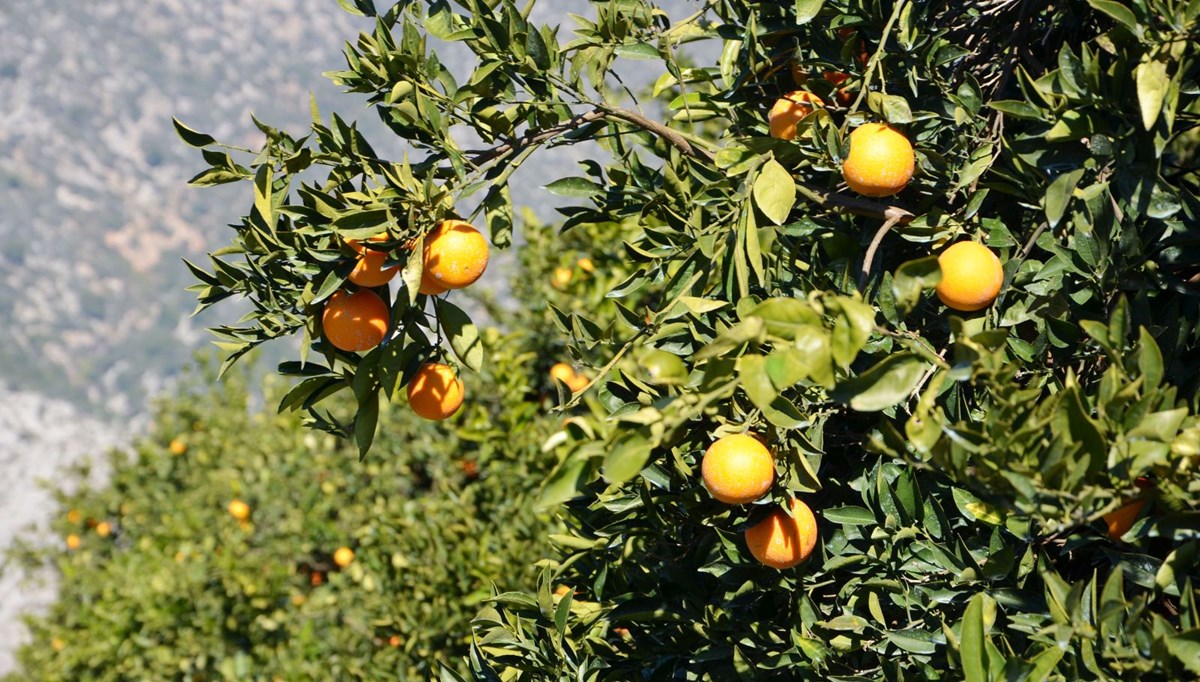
{"points": [[578, 382], [355, 322], [430, 287], [73, 542], [456, 254], [369, 270], [316, 579], [74, 516], [177, 447], [394, 641], [789, 110], [835, 78], [971, 276], [563, 372], [57, 644], [104, 529], [343, 557], [239, 510], [561, 277], [738, 469], [434, 392], [1122, 519], [586, 264], [880, 162], [782, 541]]}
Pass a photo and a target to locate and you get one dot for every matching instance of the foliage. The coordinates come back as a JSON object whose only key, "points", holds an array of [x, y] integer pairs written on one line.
{"points": [[182, 591], [960, 465]]}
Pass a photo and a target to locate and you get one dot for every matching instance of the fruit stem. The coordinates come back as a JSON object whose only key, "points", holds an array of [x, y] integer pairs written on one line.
{"points": [[869, 259]]}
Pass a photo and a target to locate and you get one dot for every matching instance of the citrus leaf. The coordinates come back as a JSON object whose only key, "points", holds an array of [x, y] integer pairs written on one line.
{"points": [[1152, 84], [886, 384], [462, 333], [775, 192]]}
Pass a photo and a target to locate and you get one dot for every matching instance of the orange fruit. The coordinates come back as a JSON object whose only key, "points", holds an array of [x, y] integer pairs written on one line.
{"points": [[738, 469], [799, 75], [299, 599], [316, 579], [356, 321], [846, 33], [835, 78], [430, 287], [563, 372], [57, 644], [103, 529], [74, 516], [1122, 519], [177, 447], [789, 110], [73, 542], [971, 276], [880, 162], [434, 392], [586, 265], [394, 641], [369, 270], [782, 541], [578, 382], [456, 254], [343, 557], [561, 277], [239, 510]]}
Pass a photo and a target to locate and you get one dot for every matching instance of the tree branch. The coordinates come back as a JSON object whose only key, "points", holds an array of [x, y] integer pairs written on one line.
{"points": [[535, 137], [855, 205], [869, 259], [671, 136]]}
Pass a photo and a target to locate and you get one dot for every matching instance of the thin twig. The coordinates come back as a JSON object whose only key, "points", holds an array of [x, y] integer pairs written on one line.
{"points": [[869, 259], [864, 207], [671, 136], [535, 137]]}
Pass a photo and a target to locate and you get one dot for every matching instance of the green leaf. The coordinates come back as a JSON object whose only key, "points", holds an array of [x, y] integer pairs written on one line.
{"points": [[752, 372], [1152, 84], [1044, 663], [637, 51], [574, 187], [263, 181], [971, 643], [850, 515], [562, 483], [807, 10], [913, 641], [912, 278], [625, 460], [1058, 195], [462, 333], [775, 192], [365, 422], [1018, 109], [1186, 648], [1120, 13], [192, 137], [851, 329], [888, 383]]}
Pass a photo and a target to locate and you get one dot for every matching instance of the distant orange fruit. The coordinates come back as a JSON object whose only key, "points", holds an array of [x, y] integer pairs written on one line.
{"points": [[343, 557], [585, 264], [880, 162], [74, 516], [57, 644], [578, 382], [239, 510], [394, 641], [299, 599], [782, 541], [316, 578], [971, 276], [563, 372], [561, 277], [1122, 519], [369, 270], [355, 322], [73, 542], [104, 529], [177, 447], [435, 392], [789, 110], [456, 254], [738, 469]]}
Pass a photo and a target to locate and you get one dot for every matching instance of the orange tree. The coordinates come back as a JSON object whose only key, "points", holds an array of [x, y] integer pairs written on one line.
{"points": [[786, 217]]}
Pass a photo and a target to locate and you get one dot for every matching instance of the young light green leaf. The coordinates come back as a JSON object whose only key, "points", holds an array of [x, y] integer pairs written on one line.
{"points": [[912, 278], [775, 192], [1152, 84]]}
